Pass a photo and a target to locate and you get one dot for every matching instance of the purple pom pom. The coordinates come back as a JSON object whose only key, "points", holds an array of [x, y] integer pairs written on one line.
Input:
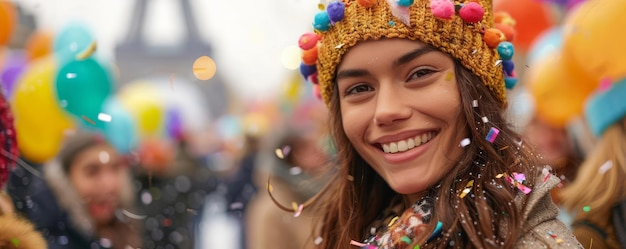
{"points": [[508, 67], [335, 11]]}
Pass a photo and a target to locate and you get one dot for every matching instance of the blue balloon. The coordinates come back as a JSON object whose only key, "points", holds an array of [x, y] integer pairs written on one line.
{"points": [[73, 39], [120, 131], [548, 42]]}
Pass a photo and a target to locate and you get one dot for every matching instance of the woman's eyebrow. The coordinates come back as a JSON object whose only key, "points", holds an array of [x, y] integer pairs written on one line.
{"points": [[412, 55], [351, 73]]}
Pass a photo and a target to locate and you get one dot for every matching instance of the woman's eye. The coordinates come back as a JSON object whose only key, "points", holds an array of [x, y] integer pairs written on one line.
{"points": [[359, 89], [421, 73]]}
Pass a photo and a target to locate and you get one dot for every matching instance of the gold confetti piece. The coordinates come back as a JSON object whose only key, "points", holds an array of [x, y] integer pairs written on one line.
{"points": [[321, 6], [393, 221], [88, 51], [294, 205], [88, 120], [467, 189], [350, 178], [269, 188], [504, 148], [449, 76], [204, 68], [559, 241], [499, 176], [279, 153], [339, 46]]}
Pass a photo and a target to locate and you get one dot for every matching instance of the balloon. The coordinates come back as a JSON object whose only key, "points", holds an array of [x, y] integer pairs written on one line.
{"points": [[15, 64], [36, 142], [558, 90], [174, 124], [593, 40], [531, 16], [547, 43], [144, 103], [8, 16], [81, 88], [34, 100], [73, 39], [120, 131], [39, 44]]}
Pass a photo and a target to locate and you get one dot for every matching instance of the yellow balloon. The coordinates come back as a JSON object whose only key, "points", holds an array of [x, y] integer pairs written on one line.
{"points": [[594, 39], [559, 92], [144, 103], [38, 144], [39, 119]]}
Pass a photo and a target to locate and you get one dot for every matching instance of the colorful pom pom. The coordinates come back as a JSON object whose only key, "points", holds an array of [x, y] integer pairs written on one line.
{"points": [[309, 57], [508, 31], [508, 67], [317, 92], [506, 50], [405, 3], [472, 12], [510, 82], [442, 9], [367, 3], [307, 70], [313, 78], [308, 41], [335, 11], [493, 37], [321, 21]]}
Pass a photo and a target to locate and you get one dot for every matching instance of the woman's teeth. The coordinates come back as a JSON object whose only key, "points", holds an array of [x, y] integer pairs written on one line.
{"points": [[404, 145]]}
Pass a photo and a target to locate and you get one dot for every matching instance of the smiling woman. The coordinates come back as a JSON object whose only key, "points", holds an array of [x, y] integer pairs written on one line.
{"points": [[416, 95]]}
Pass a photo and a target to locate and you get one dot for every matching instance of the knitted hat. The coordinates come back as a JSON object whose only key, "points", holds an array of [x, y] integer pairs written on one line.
{"points": [[464, 29], [606, 107], [8, 142], [77, 143]]}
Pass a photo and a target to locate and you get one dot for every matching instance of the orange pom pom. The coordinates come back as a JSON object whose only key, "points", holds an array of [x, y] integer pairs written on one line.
{"points": [[309, 57], [493, 37], [508, 31]]}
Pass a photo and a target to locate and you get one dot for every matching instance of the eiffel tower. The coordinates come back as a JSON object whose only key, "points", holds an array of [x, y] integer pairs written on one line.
{"points": [[137, 60]]}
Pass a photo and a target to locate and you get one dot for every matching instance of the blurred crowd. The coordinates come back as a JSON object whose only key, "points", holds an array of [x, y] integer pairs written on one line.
{"points": [[88, 161]]}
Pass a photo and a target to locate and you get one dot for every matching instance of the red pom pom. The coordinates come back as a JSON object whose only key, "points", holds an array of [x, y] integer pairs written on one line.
{"points": [[313, 78], [309, 57], [367, 3], [308, 41], [472, 12], [442, 8]]}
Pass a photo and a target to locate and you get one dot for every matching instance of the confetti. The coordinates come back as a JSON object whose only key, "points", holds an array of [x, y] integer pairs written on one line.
{"points": [[286, 150], [406, 239], [204, 68], [475, 51], [350, 178], [517, 181], [392, 23], [269, 188], [88, 120], [586, 209], [485, 119], [493, 133], [465, 142], [87, 52], [605, 167], [498, 62], [318, 241], [15, 242], [192, 211], [279, 153], [298, 211], [437, 231], [467, 189], [295, 171], [504, 148], [556, 238], [104, 117], [339, 46], [393, 221], [605, 84], [132, 215], [236, 205], [475, 103], [359, 244], [449, 76], [321, 6]]}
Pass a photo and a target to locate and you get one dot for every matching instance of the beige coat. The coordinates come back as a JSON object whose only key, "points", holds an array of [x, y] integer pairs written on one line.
{"points": [[542, 229]]}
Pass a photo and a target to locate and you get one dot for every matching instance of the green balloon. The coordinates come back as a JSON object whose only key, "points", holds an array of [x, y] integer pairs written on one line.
{"points": [[81, 88]]}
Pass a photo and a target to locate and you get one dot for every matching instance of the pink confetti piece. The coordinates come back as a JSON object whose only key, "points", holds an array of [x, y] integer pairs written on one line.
{"points": [[465, 142], [605, 84], [605, 167], [520, 177], [492, 135], [318, 241], [355, 243], [299, 211]]}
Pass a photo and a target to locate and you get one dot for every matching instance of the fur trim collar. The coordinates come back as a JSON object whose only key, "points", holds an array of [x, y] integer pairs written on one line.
{"points": [[69, 200]]}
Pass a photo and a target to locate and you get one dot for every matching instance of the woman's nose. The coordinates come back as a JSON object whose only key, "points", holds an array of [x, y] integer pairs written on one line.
{"points": [[390, 106]]}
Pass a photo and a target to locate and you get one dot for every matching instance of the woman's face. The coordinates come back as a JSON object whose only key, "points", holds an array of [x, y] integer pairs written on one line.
{"points": [[401, 110], [98, 174]]}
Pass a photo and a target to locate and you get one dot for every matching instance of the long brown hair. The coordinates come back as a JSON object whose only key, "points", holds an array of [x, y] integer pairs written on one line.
{"points": [[487, 218]]}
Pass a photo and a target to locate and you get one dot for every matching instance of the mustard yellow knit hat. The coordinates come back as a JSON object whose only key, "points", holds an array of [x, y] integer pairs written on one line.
{"points": [[468, 30]]}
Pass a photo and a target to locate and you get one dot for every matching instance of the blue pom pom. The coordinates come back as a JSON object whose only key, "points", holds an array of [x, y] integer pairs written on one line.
{"points": [[506, 50], [508, 67], [510, 82], [405, 3], [321, 21], [307, 70], [335, 11]]}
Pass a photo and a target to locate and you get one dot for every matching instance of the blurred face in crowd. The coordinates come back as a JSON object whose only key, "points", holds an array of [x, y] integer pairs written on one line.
{"points": [[401, 110], [98, 174], [551, 142]]}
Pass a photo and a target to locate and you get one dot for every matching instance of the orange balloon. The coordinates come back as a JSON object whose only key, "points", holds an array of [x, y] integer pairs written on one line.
{"points": [[39, 45], [531, 16], [8, 14], [558, 90]]}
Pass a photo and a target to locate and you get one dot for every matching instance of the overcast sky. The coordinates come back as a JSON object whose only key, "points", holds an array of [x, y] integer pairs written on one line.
{"points": [[248, 36]]}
